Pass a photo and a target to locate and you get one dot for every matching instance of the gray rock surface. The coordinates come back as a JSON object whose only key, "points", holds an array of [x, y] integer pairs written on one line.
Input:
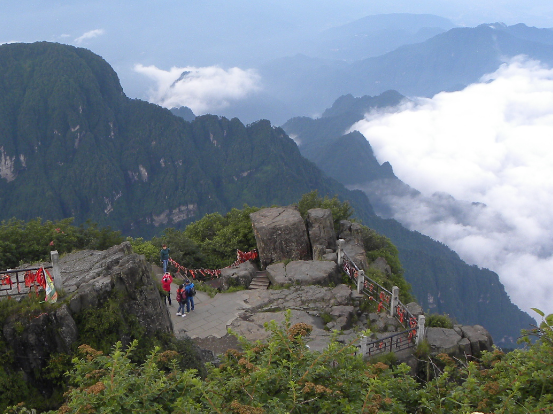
{"points": [[92, 275], [307, 304], [461, 341], [443, 340], [34, 339], [478, 337], [320, 227], [415, 309], [240, 275], [304, 272], [280, 234], [351, 233]]}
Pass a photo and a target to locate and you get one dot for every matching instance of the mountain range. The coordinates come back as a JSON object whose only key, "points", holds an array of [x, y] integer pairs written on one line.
{"points": [[73, 145], [451, 59]]}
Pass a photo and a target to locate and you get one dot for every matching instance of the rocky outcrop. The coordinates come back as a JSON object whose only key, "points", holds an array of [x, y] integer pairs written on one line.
{"points": [[93, 275], [280, 234], [241, 275], [320, 227], [351, 233], [89, 278], [34, 339], [308, 304], [461, 341], [304, 273]]}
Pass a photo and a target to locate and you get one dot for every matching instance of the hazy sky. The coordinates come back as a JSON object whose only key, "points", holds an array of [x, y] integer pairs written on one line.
{"points": [[491, 143], [199, 34]]}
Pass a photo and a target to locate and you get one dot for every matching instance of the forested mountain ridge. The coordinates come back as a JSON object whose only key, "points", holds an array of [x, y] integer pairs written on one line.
{"points": [[73, 145]]}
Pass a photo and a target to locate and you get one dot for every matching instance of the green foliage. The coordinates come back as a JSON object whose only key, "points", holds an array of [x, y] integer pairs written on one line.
{"points": [[32, 241], [340, 210], [218, 237], [438, 321], [377, 245], [147, 248], [282, 376]]}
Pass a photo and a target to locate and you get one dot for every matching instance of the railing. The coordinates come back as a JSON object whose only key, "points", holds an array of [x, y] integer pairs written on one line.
{"points": [[412, 333], [22, 281]]}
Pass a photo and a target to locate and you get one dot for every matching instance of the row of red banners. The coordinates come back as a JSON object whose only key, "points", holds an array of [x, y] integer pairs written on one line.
{"points": [[241, 257], [37, 278]]}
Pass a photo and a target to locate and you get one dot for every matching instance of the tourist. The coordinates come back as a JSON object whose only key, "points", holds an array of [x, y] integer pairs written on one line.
{"points": [[190, 292], [166, 281], [164, 253], [181, 299]]}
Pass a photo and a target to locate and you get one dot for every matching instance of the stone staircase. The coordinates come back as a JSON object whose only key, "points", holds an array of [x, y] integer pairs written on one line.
{"points": [[260, 281]]}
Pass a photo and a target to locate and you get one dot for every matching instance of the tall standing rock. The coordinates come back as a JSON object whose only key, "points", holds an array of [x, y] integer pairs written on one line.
{"points": [[320, 227], [280, 234]]}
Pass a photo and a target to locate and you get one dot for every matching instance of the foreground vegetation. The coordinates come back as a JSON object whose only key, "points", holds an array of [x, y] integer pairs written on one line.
{"points": [[284, 376]]}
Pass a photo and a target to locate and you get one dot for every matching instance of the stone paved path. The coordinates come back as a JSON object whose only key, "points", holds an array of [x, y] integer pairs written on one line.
{"points": [[208, 323]]}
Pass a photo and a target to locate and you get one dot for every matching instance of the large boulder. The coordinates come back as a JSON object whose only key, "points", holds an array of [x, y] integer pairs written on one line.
{"points": [[461, 341], [241, 275], [443, 340], [478, 337], [280, 234], [302, 272], [320, 227], [92, 277]]}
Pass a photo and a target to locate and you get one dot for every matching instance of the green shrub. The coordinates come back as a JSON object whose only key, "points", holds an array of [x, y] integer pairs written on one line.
{"points": [[438, 321]]}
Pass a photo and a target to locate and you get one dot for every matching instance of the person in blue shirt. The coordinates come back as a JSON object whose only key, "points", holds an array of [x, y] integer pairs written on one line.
{"points": [[190, 291]]}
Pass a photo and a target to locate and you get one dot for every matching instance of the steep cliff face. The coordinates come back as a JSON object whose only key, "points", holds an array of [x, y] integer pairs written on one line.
{"points": [[108, 296], [73, 145]]}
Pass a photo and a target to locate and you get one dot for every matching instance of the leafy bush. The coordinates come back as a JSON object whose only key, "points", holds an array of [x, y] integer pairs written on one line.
{"points": [[438, 321], [32, 241], [278, 377]]}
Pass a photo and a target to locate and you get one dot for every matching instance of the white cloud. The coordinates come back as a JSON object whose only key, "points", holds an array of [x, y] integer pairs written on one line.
{"points": [[89, 35], [201, 89], [491, 143]]}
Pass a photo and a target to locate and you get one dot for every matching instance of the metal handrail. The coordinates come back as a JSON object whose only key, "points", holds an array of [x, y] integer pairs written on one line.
{"points": [[18, 286], [371, 289]]}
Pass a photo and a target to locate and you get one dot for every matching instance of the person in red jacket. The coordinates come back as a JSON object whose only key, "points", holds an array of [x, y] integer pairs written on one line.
{"points": [[166, 281]]}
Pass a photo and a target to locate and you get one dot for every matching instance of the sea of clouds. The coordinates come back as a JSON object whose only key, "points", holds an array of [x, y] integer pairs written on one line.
{"points": [[489, 146]]}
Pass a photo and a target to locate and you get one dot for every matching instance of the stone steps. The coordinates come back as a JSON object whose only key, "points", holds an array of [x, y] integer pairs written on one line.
{"points": [[260, 281]]}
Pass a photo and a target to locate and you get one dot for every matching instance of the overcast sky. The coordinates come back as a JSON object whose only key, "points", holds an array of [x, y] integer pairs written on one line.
{"points": [[492, 144], [223, 33]]}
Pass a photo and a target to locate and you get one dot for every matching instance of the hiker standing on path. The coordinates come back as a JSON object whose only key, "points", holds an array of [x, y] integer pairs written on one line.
{"points": [[166, 281], [164, 253], [181, 299], [190, 292]]}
